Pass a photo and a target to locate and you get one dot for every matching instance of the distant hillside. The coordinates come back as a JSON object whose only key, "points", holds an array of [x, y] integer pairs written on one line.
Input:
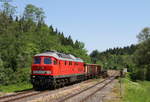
{"points": [[128, 50], [115, 58]]}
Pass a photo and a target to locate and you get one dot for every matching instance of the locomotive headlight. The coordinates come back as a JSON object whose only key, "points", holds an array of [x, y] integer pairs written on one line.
{"points": [[47, 72]]}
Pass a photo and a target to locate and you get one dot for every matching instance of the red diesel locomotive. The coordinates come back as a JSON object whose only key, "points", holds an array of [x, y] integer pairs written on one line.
{"points": [[53, 69]]}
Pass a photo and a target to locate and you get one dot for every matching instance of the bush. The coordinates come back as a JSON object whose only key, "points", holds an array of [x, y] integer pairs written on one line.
{"points": [[8, 76]]}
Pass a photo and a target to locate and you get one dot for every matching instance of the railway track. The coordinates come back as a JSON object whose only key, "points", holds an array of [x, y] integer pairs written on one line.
{"points": [[17, 96], [27, 95], [99, 89], [105, 82]]}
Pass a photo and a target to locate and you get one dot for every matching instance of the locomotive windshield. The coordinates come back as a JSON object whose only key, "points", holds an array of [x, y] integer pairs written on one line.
{"points": [[37, 60], [47, 60]]}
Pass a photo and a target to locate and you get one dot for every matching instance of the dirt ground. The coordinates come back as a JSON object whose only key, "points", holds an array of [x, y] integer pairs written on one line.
{"points": [[111, 93], [61, 92]]}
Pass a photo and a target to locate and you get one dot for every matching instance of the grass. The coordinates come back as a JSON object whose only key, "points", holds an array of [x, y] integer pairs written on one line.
{"points": [[15, 87], [136, 91]]}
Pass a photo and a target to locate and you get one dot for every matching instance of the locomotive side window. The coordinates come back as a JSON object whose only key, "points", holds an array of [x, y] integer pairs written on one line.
{"points": [[70, 63], [37, 60], [47, 61], [65, 63]]}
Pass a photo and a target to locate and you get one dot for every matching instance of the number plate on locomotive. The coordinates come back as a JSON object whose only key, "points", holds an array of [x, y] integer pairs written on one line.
{"points": [[41, 72]]}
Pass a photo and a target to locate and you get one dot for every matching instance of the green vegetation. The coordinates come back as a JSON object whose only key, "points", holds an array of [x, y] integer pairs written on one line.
{"points": [[142, 56], [115, 58], [136, 91], [15, 87], [24, 35], [15, 81]]}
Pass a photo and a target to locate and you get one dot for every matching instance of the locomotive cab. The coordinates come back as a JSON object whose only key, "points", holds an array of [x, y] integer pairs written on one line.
{"points": [[42, 71], [42, 65]]}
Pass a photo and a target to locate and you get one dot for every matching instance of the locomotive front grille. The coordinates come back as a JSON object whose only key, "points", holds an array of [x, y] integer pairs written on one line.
{"points": [[41, 80]]}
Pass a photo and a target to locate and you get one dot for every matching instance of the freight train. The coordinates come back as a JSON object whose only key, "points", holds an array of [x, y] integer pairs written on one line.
{"points": [[53, 69]]}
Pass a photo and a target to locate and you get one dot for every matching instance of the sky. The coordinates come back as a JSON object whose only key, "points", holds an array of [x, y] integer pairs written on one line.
{"points": [[100, 24]]}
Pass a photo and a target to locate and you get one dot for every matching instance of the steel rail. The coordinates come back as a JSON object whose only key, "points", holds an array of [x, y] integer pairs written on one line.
{"points": [[14, 97], [75, 94], [99, 89], [15, 94]]}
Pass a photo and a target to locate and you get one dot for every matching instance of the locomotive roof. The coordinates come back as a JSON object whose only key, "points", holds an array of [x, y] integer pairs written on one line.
{"points": [[60, 56]]}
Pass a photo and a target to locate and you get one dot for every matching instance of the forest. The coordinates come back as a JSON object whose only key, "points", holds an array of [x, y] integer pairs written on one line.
{"points": [[22, 36]]}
